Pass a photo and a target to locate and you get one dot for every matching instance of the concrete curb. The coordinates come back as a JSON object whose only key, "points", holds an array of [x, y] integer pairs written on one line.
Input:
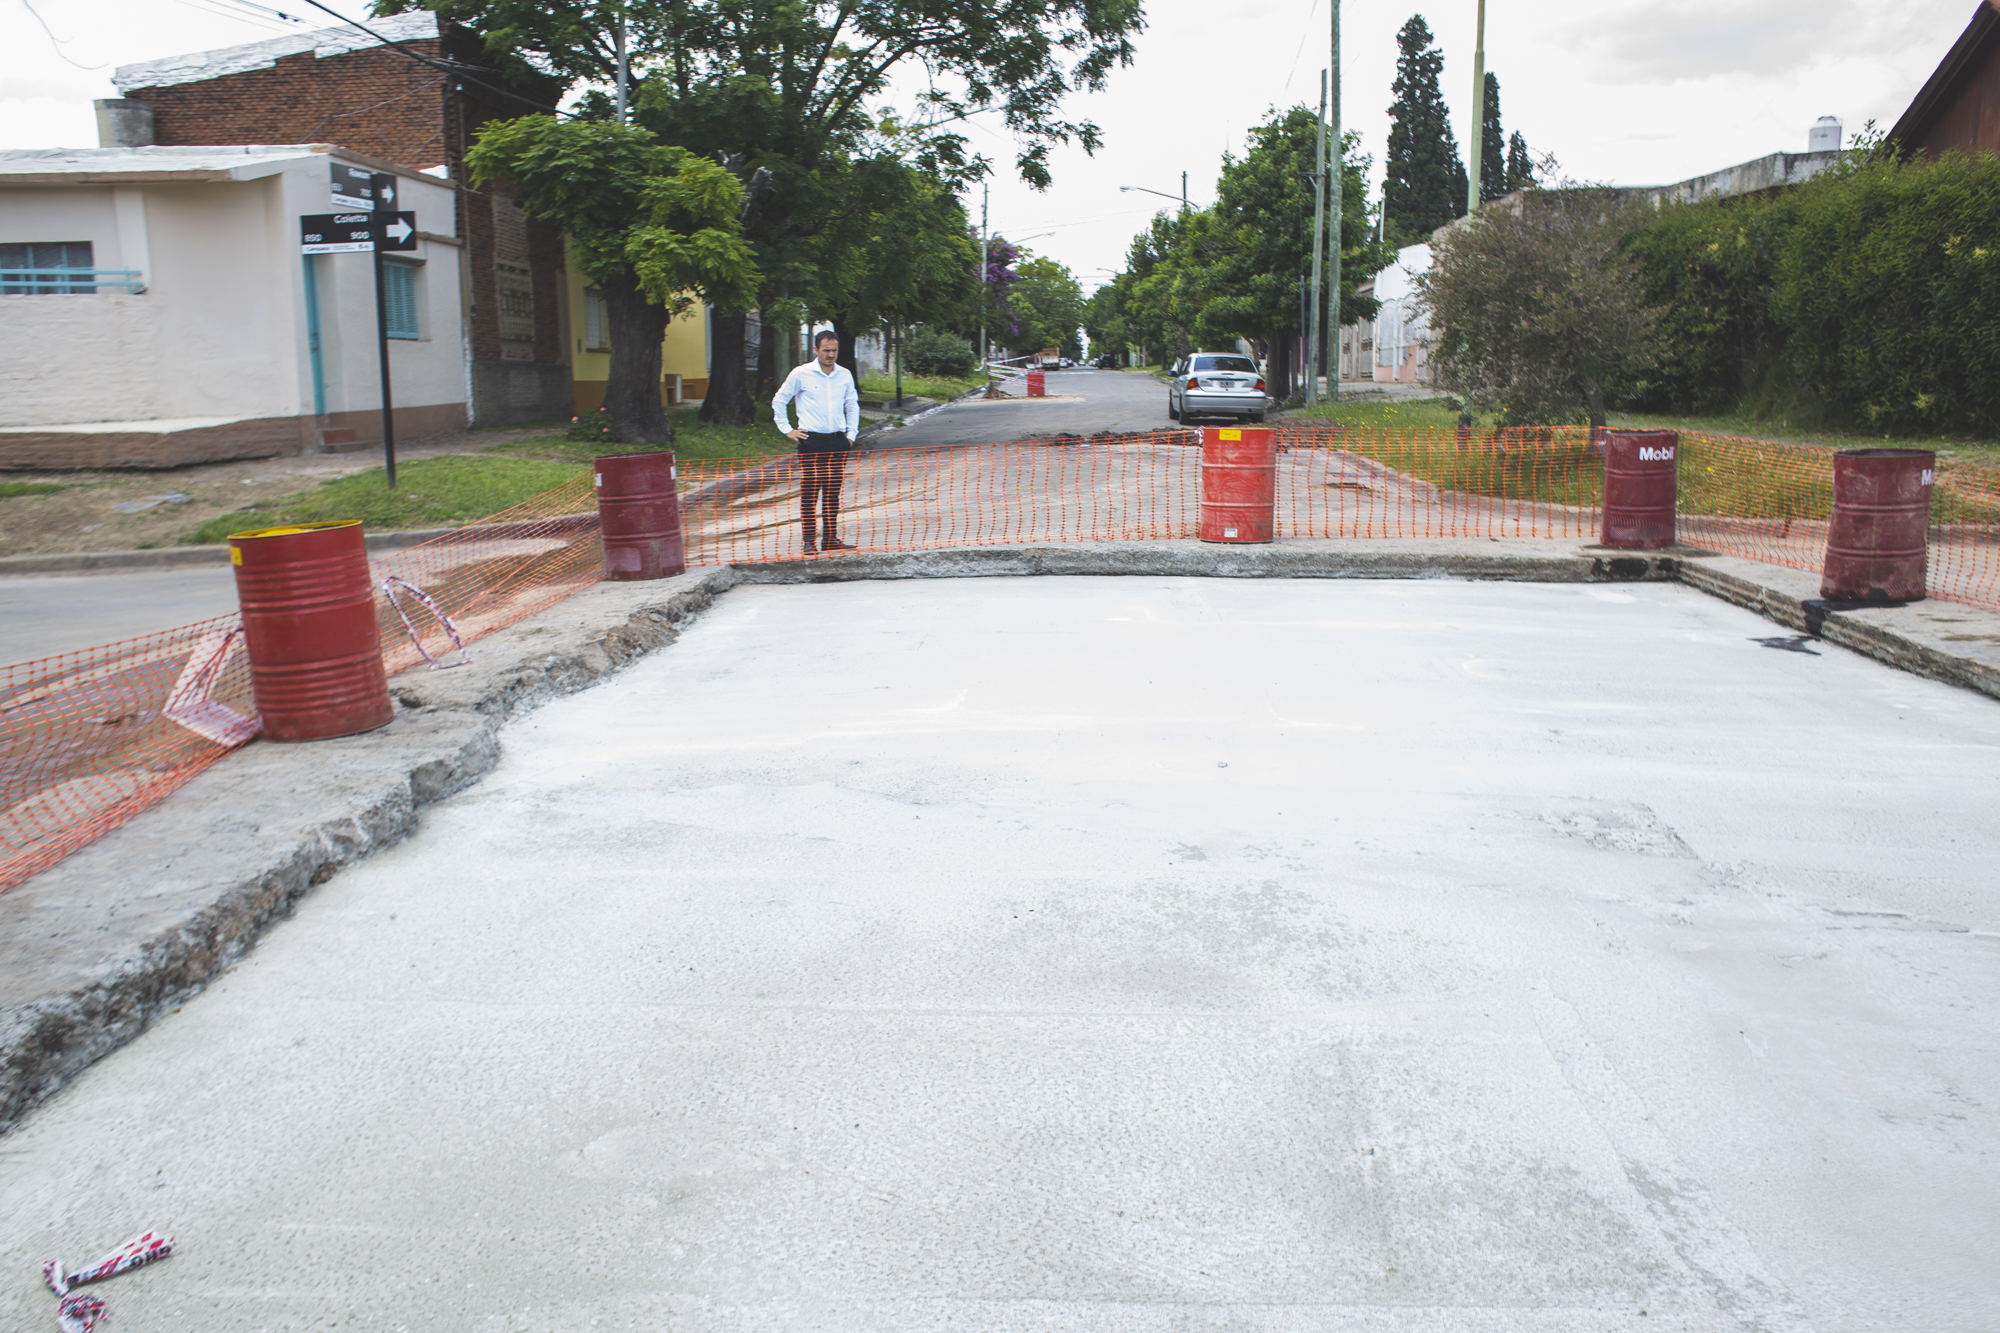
{"points": [[1910, 638], [96, 947], [174, 557], [93, 949]]}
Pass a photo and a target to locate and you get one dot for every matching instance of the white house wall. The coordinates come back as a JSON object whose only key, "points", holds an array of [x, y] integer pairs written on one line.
{"points": [[220, 334]]}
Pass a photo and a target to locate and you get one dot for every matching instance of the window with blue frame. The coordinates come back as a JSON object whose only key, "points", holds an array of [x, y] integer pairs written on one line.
{"points": [[28, 269], [399, 293]]}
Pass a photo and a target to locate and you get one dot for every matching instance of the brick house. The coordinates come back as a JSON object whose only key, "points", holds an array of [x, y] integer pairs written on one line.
{"points": [[340, 85]]}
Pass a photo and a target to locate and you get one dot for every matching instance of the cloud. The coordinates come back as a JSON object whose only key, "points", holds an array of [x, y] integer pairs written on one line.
{"points": [[1758, 37]]}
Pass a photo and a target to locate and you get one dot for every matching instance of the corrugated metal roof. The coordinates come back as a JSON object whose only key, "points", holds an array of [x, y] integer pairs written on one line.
{"points": [[322, 42]]}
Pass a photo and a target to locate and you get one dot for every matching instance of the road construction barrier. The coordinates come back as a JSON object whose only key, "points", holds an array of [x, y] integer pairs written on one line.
{"points": [[1639, 494], [1239, 484], [1879, 535], [639, 511], [309, 628]]}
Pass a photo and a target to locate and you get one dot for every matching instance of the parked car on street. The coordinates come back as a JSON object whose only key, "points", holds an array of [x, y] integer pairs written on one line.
{"points": [[1215, 384]]}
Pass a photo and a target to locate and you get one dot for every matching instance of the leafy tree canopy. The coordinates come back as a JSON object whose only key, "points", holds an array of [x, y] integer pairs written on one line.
{"points": [[655, 226], [1537, 308]]}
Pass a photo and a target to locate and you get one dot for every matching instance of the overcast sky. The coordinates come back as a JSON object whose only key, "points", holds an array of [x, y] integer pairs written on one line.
{"points": [[1625, 91]]}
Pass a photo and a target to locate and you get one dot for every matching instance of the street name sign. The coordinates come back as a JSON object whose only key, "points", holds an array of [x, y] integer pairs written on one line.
{"points": [[336, 233], [352, 187], [356, 233]]}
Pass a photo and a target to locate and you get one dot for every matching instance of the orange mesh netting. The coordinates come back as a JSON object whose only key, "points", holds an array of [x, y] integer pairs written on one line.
{"points": [[88, 739]]}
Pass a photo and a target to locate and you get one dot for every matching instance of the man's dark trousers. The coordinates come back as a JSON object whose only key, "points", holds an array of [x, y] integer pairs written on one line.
{"points": [[822, 463]]}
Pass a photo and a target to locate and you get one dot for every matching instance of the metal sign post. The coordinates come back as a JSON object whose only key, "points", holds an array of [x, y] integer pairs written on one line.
{"points": [[385, 200], [380, 229]]}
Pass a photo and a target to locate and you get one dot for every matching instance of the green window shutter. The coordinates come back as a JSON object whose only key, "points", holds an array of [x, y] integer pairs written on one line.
{"points": [[399, 293]]}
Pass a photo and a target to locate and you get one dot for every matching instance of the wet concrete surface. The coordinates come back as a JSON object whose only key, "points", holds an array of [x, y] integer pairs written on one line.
{"points": [[1113, 954]]}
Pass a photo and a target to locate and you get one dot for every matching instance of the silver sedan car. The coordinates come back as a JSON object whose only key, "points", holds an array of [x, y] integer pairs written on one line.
{"points": [[1215, 384]]}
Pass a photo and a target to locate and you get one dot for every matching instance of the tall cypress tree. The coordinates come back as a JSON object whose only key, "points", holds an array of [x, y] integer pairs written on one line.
{"points": [[1492, 147], [1520, 168], [1426, 178]]}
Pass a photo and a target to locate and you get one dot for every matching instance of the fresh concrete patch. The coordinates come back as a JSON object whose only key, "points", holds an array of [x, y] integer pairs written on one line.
{"points": [[1114, 955], [95, 948]]}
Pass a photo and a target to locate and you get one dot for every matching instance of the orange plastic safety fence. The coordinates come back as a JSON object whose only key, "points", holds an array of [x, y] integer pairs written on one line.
{"points": [[1106, 488], [88, 739], [1772, 502], [489, 574]]}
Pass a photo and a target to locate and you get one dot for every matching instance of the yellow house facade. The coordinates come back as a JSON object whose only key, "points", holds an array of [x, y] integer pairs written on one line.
{"points": [[683, 352]]}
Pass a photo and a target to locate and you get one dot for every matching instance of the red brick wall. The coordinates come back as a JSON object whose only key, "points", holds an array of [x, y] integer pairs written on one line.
{"points": [[374, 101]]}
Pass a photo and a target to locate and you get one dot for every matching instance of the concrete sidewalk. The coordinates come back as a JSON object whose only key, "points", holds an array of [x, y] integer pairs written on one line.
{"points": [[1103, 955]]}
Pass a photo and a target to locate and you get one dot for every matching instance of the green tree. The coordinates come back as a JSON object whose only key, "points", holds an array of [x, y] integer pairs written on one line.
{"points": [[1520, 167], [1047, 306], [1425, 187], [780, 87], [899, 248], [655, 226], [1536, 308], [1492, 146], [1261, 246]]}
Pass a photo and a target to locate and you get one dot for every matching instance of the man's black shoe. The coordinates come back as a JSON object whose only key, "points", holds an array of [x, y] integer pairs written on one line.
{"points": [[810, 549], [835, 544]]}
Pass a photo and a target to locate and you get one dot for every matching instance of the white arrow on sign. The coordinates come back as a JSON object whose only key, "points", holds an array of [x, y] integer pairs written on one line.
{"points": [[398, 230]]}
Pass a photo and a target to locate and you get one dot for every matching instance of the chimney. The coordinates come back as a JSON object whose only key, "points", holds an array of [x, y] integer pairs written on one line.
{"points": [[123, 122]]}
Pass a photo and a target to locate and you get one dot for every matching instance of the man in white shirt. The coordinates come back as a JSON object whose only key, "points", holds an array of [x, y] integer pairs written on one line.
{"points": [[829, 411]]}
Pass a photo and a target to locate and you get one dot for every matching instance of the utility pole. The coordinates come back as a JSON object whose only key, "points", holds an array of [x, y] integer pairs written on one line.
{"points": [[1319, 249], [985, 193], [1335, 189], [1478, 111], [618, 37], [1183, 192]]}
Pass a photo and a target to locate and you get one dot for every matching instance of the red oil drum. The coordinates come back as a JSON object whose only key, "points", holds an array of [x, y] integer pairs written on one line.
{"points": [[1239, 483], [1639, 488], [639, 508], [1038, 384], [309, 630], [1879, 538]]}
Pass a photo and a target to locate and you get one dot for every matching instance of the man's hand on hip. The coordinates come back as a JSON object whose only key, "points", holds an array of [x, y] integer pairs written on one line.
{"points": [[795, 435]]}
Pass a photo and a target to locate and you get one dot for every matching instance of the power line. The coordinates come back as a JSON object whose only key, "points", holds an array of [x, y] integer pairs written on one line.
{"points": [[455, 70], [54, 42]]}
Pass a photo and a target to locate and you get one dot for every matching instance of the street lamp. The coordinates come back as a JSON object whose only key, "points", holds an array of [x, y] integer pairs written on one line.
{"points": [[1123, 189]]}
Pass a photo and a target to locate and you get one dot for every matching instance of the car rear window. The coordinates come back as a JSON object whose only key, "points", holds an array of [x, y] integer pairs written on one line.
{"points": [[1241, 363]]}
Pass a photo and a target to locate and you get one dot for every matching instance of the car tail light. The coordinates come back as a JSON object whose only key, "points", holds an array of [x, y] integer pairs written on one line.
{"points": [[1193, 383], [1260, 386]]}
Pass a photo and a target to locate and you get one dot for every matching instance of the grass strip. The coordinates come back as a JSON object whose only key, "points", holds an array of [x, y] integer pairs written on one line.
{"points": [[10, 489], [430, 493], [942, 388]]}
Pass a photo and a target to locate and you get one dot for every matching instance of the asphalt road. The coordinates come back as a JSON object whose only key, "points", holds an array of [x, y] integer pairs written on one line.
{"points": [[1085, 402], [1114, 955], [46, 616]]}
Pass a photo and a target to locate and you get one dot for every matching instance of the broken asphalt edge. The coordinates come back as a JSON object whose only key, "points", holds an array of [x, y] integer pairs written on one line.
{"points": [[130, 926]]}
